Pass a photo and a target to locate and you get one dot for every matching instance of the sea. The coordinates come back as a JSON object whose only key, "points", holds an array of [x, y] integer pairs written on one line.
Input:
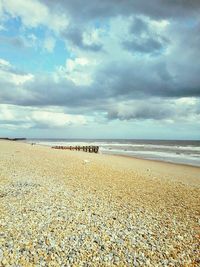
{"points": [[175, 151]]}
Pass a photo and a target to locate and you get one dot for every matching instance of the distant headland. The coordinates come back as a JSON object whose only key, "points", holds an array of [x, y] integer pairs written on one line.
{"points": [[12, 139]]}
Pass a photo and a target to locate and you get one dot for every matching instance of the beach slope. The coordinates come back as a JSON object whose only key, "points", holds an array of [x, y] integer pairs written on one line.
{"points": [[68, 208]]}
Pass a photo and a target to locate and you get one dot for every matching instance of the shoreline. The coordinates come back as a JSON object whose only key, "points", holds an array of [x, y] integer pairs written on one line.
{"points": [[172, 166], [136, 157], [154, 160], [190, 170]]}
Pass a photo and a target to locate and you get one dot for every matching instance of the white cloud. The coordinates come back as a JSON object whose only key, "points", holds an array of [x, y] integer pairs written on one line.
{"points": [[19, 79], [190, 101], [58, 22], [92, 36], [8, 74], [158, 25], [78, 70], [49, 44], [4, 64], [29, 117], [33, 13], [6, 114], [56, 119], [72, 64]]}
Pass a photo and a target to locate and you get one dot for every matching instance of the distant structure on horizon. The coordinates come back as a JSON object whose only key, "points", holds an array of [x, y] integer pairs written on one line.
{"points": [[12, 139]]}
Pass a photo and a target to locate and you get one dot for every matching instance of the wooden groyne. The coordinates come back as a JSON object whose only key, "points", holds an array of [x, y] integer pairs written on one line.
{"points": [[90, 149]]}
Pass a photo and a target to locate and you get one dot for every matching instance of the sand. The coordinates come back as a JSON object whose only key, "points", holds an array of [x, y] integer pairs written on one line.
{"points": [[69, 208]]}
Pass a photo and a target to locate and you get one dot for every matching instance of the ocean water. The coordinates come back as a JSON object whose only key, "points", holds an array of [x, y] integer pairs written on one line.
{"points": [[182, 152]]}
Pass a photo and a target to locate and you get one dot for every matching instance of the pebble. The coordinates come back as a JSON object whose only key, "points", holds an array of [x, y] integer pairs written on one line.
{"points": [[1, 255], [47, 220]]}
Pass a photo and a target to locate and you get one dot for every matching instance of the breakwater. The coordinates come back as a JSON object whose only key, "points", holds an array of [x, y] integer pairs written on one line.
{"points": [[90, 149]]}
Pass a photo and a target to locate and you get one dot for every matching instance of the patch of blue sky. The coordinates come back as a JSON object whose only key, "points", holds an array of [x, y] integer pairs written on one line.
{"points": [[38, 32], [32, 60], [101, 24], [31, 57], [11, 27], [49, 61]]}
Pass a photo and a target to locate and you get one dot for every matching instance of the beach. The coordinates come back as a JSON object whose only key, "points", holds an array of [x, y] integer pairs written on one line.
{"points": [[70, 208]]}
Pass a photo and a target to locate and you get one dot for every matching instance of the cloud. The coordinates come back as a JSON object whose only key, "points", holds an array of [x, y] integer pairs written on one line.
{"points": [[124, 60], [29, 41], [101, 9], [80, 38], [10, 75], [49, 119], [82, 83], [49, 44], [11, 83], [184, 110], [139, 26], [4, 64], [18, 117], [78, 70], [34, 13], [145, 36], [177, 110], [147, 45], [17, 41]]}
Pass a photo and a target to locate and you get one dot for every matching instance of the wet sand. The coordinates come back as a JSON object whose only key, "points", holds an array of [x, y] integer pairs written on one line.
{"points": [[69, 208]]}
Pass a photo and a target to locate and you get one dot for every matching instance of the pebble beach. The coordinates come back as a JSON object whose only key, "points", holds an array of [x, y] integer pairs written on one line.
{"points": [[70, 208]]}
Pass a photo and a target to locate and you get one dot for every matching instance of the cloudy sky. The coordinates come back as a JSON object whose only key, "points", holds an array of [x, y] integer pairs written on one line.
{"points": [[100, 69]]}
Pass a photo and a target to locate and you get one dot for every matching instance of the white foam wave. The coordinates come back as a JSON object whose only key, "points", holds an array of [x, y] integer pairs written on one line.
{"points": [[178, 153]]}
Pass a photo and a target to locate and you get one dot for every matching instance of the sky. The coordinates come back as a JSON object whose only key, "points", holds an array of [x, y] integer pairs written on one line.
{"points": [[100, 69]]}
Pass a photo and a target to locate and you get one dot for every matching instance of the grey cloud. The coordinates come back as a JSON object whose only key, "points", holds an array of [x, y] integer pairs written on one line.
{"points": [[140, 79], [113, 82], [146, 45], [143, 40], [144, 111], [16, 41], [81, 13], [138, 26], [44, 91], [96, 9], [162, 76], [188, 38], [167, 76], [103, 98], [12, 94], [151, 108], [75, 35], [164, 73]]}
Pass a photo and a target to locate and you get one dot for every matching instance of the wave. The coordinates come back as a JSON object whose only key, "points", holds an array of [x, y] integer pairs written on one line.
{"points": [[185, 152]]}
